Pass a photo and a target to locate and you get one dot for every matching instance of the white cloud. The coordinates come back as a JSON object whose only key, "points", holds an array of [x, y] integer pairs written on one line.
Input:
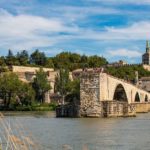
{"points": [[27, 31], [124, 53], [135, 31], [122, 1]]}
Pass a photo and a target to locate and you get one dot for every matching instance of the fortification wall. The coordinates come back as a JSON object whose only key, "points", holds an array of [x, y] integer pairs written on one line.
{"points": [[28, 69]]}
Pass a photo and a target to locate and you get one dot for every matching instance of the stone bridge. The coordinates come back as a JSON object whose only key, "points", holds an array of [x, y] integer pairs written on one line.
{"points": [[104, 87], [111, 88], [102, 94]]}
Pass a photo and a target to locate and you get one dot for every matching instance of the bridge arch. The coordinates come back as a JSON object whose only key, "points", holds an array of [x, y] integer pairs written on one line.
{"points": [[137, 97], [120, 93], [146, 98]]}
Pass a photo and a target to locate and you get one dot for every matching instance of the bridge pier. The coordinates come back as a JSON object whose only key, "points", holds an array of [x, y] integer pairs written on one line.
{"points": [[102, 109], [142, 107]]}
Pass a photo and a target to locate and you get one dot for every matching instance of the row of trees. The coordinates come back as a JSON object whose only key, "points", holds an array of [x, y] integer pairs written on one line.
{"points": [[67, 60], [69, 90], [128, 72], [15, 92]]}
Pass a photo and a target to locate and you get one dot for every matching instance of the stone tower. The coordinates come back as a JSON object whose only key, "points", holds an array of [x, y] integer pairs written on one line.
{"points": [[146, 56]]}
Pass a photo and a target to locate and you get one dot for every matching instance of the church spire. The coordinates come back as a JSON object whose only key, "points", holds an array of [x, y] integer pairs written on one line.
{"points": [[147, 47]]}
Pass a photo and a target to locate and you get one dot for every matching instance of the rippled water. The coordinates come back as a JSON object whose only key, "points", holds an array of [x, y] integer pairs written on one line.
{"points": [[96, 134]]}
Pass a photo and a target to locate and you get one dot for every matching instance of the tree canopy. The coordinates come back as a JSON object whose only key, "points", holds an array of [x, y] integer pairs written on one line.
{"points": [[68, 60], [13, 90], [41, 85]]}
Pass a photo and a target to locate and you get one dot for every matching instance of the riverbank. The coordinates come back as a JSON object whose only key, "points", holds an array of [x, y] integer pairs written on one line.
{"points": [[33, 107]]}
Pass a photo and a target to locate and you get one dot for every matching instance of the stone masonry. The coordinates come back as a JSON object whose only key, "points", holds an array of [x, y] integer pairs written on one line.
{"points": [[97, 92]]}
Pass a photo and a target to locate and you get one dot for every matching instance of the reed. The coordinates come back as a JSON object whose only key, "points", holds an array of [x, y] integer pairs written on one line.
{"points": [[12, 140]]}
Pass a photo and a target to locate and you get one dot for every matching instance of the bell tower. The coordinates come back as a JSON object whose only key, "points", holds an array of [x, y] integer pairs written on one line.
{"points": [[146, 56]]}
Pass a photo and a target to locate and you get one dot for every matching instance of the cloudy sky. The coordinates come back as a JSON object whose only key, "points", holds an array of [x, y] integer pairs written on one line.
{"points": [[115, 29]]}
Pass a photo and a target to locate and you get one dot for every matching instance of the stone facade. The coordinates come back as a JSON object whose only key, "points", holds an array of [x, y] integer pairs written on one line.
{"points": [[27, 74]]}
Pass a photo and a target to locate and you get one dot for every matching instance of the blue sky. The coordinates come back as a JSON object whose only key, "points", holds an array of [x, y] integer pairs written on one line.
{"points": [[115, 29]]}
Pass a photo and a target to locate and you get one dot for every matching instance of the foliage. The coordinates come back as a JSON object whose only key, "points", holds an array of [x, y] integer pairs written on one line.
{"points": [[41, 84], [68, 60], [23, 57], [96, 61], [73, 61], [49, 63], [62, 82], [128, 72], [38, 58], [14, 91], [11, 59], [74, 95], [26, 93]]}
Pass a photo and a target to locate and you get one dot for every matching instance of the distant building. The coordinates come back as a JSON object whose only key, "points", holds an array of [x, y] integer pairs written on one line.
{"points": [[117, 64], [144, 83], [146, 55], [27, 74]]}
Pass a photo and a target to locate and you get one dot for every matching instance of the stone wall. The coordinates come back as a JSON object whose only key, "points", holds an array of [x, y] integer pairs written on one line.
{"points": [[142, 107], [28, 69], [89, 95], [102, 109], [27, 74], [95, 89], [118, 109]]}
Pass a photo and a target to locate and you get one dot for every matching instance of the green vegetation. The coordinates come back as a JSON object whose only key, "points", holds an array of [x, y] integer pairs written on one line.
{"points": [[74, 95], [128, 72], [67, 60], [41, 85], [18, 95], [62, 82], [36, 107], [69, 90], [15, 92]]}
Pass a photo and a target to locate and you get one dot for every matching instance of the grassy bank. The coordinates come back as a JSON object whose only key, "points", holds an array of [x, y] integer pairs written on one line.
{"points": [[33, 107]]}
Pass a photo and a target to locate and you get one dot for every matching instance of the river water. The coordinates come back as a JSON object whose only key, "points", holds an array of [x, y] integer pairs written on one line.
{"points": [[85, 133]]}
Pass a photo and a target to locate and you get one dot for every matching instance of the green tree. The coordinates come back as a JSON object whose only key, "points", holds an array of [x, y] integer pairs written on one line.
{"points": [[74, 92], [26, 94], [49, 63], [38, 58], [23, 57], [62, 60], [9, 84], [12, 89], [62, 82], [128, 72], [41, 85], [96, 61], [11, 59], [2, 61]]}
